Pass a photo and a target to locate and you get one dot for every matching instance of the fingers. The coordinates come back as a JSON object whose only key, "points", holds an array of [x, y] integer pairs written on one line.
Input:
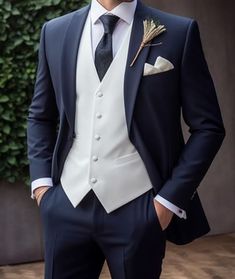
{"points": [[164, 214], [39, 194]]}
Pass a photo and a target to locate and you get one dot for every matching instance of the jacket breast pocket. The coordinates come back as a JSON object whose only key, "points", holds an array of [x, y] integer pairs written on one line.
{"points": [[164, 82], [167, 75], [159, 91]]}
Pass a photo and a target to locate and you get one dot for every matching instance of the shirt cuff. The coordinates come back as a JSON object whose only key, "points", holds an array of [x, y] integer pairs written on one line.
{"points": [[175, 209], [45, 181]]}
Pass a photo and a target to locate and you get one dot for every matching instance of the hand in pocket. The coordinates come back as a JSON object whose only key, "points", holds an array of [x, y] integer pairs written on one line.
{"points": [[164, 214]]}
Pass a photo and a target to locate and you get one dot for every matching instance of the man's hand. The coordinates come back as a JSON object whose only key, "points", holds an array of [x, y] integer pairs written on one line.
{"points": [[39, 192], [164, 214]]}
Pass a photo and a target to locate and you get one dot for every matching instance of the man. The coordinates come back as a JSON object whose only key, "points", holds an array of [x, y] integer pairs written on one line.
{"points": [[104, 130]]}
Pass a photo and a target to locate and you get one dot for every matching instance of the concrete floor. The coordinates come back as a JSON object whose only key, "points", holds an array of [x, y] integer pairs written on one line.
{"points": [[207, 258]]}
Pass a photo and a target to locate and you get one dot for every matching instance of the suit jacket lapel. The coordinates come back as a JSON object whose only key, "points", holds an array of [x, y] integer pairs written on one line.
{"points": [[69, 62], [133, 74]]}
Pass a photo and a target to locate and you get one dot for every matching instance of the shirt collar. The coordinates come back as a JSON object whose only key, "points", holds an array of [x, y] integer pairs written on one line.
{"points": [[124, 11]]}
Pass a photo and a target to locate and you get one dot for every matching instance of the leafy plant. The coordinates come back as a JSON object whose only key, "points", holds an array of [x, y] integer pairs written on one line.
{"points": [[20, 25]]}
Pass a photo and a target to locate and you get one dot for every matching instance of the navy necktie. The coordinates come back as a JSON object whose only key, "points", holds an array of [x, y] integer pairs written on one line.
{"points": [[104, 50]]}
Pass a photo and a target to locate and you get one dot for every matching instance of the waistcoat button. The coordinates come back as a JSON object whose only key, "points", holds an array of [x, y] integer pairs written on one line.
{"points": [[98, 115], [93, 180], [100, 94], [95, 158], [97, 137]]}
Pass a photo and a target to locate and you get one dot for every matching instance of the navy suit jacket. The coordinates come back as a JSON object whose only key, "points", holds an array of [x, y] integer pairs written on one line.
{"points": [[153, 106]]}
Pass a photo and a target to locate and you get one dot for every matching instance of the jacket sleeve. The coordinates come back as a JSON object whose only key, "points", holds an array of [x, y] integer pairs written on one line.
{"points": [[202, 114], [42, 119]]}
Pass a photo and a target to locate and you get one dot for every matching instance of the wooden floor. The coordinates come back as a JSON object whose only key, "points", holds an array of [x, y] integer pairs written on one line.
{"points": [[208, 258]]}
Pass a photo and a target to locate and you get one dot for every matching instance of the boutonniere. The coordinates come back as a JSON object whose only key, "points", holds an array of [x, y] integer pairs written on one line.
{"points": [[152, 29]]}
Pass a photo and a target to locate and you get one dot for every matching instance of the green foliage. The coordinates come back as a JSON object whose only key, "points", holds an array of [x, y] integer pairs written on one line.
{"points": [[20, 25]]}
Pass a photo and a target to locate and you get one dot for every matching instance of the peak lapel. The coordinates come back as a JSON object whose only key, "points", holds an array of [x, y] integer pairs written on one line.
{"points": [[133, 74], [69, 62]]}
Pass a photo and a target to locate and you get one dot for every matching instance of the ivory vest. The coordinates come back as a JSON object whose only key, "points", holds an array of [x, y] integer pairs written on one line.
{"points": [[102, 158]]}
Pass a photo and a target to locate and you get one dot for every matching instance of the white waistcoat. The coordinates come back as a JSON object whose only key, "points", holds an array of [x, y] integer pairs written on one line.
{"points": [[102, 158]]}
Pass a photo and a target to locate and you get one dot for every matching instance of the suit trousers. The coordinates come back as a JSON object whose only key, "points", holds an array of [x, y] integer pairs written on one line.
{"points": [[78, 240]]}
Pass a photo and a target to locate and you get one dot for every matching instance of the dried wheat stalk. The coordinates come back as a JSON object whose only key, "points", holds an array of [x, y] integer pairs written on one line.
{"points": [[151, 30]]}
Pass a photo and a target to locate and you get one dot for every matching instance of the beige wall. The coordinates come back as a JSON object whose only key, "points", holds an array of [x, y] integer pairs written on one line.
{"points": [[216, 20]]}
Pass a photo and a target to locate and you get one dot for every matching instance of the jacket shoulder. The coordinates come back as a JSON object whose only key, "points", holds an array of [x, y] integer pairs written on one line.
{"points": [[170, 18], [177, 26], [60, 23]]}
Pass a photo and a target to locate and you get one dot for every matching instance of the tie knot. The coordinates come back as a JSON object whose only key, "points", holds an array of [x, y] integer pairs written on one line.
{"points": [[109, 22]]}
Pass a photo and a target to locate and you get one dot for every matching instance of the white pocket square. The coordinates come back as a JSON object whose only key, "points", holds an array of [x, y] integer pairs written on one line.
{"points": [[161, 65]]}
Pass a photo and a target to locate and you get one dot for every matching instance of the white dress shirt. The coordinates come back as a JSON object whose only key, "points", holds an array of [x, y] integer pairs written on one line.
{"points": [[125, 11]]}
